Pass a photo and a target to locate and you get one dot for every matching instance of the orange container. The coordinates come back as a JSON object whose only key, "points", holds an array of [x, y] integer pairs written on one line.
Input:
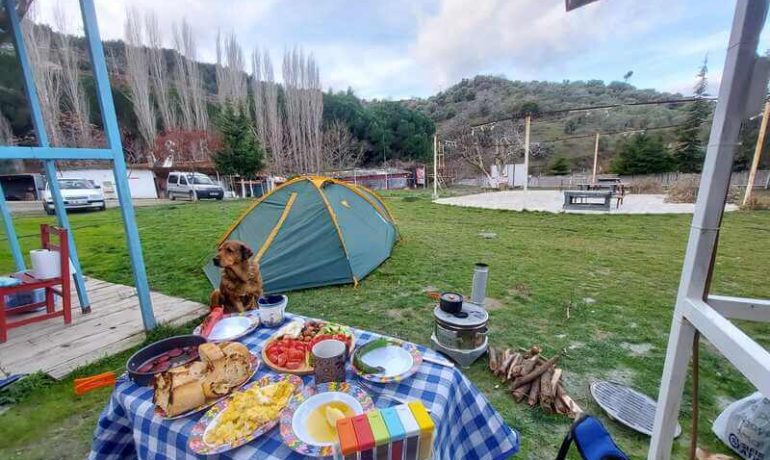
{"points": [[348, 444]]}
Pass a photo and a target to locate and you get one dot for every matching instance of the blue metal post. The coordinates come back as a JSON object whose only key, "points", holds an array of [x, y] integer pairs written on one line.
{"points": [[10, 232], [110, 122], [42, 137]]}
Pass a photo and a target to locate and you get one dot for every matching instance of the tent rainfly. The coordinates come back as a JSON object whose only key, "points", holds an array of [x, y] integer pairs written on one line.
{"points": [[314, 231]]}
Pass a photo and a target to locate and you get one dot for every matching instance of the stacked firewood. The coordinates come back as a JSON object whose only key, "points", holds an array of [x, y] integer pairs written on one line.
{"points": [[533, 379]]}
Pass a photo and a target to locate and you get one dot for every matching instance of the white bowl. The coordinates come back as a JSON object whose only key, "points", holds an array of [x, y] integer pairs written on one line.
{"points": [[303, 413], [394, 359]]}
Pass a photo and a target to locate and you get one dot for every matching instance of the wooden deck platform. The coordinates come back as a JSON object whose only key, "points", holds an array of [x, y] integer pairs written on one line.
{"points": [[114, 325]]}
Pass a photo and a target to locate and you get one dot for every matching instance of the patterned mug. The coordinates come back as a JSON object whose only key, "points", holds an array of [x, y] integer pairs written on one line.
{"points": [[329, 361]]}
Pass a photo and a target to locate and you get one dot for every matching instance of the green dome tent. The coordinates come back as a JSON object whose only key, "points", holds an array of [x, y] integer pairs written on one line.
{"points": [[314, 231]]}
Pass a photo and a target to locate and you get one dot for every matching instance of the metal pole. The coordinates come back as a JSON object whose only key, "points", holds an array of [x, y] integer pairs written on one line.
{"points": [[526, 151], [757, 154], [10, 232], [112, 132], [42, 138], [596, 157], [435, 167], [715, 181]]}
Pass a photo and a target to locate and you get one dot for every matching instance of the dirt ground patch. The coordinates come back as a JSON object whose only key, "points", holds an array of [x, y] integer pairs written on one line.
{"points": [[394, 314], [521, 291], [492, 304], [637, 349]]}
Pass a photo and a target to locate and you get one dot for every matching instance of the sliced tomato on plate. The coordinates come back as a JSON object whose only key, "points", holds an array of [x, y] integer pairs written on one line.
{"points": [[296, 355], [292, 365]]}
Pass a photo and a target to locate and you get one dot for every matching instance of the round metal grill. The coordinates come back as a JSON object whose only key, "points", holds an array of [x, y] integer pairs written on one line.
{"points": [[626, 405]]}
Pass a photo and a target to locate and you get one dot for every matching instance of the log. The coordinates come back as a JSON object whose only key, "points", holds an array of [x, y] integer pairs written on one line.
{"points": [[547, 391], [520, 393], [500, 358], [512, 368], [555, 379], [493, 359], [508, 356], [560, 407], [574, 409], [534, 393], [535, 373], [528, 365], [533, 351]]}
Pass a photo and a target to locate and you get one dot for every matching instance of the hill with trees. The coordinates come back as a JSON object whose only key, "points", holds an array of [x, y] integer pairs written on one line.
{"points": [[565, 139]]}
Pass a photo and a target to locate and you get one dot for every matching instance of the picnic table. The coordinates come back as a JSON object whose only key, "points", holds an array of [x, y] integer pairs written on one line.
{"points": [[467, 425], [593, 200]]}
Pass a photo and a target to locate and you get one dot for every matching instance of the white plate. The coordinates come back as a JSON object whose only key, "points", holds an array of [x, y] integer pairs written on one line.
{"points": [[394, 359], [231, 327], [298, 422]]}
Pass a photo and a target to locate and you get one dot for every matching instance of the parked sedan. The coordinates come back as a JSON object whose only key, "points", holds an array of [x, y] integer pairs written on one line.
{"points": [[77, 194]]}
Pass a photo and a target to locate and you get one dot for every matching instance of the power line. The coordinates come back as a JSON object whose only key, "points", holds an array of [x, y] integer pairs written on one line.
{"points": [[596, 107], [614, 133], [585, 136]]}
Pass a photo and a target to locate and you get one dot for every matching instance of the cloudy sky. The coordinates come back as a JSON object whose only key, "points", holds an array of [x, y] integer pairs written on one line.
{"points": [[402, 48]]}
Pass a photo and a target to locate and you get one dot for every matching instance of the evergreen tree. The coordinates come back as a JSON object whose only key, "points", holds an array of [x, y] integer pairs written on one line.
{"points": [[689, 151], [241, 152], [642, 154], [559, 166]]}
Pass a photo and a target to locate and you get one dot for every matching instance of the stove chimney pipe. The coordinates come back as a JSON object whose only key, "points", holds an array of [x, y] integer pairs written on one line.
{"points": [[479, 288]]}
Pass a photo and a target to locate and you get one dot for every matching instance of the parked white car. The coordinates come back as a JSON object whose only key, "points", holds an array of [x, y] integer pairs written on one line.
{"points": [[77, 194], [187, 185]]}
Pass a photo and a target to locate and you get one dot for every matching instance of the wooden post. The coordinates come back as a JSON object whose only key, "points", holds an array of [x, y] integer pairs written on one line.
{"points": [[757, 154], [435, 167], [596, 157], [526, 151]]}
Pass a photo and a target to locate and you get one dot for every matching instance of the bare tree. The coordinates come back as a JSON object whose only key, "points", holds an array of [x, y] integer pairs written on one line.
{"points": [[314, 110], [160, 83], [258, 94], [273, 119], [304, 107], [187, 80], [138, 76], [182, 84], [47, 78], [231, 78], [498, 144], [340, 148], [74, 97]]}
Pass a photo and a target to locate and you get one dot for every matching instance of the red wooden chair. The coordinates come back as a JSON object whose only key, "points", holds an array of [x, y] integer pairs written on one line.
{"points": [[53, 286]]}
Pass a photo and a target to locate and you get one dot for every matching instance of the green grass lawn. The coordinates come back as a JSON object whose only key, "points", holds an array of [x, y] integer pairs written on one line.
{"points": [[617, 274]]}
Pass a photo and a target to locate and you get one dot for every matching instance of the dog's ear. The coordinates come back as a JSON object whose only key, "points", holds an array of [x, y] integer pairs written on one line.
{"points": [[246, 252]]}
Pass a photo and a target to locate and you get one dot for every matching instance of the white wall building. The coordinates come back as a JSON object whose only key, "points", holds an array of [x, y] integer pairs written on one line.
{"points": [[141, 182]]}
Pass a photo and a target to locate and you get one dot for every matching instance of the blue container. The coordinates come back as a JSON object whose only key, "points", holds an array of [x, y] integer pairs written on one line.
{"points": [[21, 299]]}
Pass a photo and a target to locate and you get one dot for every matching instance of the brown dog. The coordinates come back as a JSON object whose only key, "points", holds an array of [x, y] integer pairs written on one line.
{"points": [[241, 284]]}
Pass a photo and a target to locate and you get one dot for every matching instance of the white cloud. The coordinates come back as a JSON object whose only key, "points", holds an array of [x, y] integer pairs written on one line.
{"points": [[205, 17], [404, 48], [369, 70], [466, 37]]}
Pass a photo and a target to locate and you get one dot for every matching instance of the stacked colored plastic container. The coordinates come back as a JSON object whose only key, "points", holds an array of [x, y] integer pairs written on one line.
{"points": [[403, 432]]}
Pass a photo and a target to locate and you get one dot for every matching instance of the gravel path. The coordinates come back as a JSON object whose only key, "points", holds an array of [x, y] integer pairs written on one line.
{"points": [[552, 201]]}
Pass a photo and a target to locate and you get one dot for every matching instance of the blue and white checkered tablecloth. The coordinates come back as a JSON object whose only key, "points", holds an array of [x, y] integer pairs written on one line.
{"points": [[468, 426]]}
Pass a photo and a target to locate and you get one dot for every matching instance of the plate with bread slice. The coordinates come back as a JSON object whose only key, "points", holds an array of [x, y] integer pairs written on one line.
{"points": [[190, 388]]}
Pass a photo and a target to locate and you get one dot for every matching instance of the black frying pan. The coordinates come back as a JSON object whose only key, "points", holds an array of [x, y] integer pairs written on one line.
{"points": [[156, 349]]}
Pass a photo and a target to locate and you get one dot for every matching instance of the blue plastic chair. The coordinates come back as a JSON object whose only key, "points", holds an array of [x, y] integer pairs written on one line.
{"points": [[592, 441]]}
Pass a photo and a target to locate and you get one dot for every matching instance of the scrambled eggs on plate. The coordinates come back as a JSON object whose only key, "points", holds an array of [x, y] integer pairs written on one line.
{"points": [[248, 410]]}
